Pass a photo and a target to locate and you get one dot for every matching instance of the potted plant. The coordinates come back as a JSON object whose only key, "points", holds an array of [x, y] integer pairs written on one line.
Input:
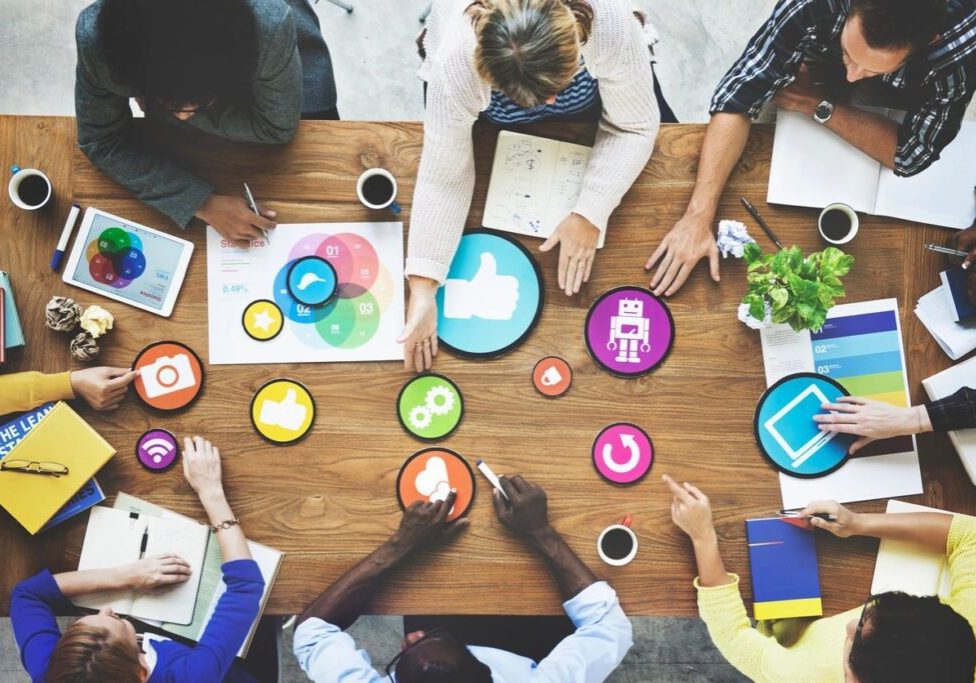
{"points": [[787, 287]]}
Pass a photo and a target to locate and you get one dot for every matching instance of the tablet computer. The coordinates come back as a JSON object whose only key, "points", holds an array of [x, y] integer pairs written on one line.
{"points": [[128, 262]]}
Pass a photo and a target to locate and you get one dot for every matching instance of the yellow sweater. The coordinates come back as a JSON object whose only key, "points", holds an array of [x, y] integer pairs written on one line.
{"points": [[817, 654], [25, 390]]}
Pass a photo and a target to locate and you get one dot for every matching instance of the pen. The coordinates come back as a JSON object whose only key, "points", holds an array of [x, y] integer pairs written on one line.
{"points": [[69, 226], [797, 513], [145, 543], [946, 250], [254, 208], [762, 224], [490, 476]]}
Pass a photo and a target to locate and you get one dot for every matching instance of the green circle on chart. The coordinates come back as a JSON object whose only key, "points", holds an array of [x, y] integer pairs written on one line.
{"points": [[351, 323], [430, 406], [113, 241]]}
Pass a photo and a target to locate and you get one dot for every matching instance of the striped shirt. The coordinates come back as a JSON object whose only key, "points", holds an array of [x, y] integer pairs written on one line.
{"points": [[942, 77], [581, 94]]}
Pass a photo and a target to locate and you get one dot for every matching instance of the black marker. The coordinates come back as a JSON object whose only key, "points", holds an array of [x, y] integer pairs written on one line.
{"points": [[798, 513]]}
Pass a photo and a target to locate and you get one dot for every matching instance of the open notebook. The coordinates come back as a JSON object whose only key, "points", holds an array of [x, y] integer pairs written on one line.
{"points": [[904, 567], [812, 166]]}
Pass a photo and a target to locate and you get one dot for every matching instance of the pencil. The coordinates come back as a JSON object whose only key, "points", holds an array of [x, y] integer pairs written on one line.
{"points": [[490, 476], [762, 224]]}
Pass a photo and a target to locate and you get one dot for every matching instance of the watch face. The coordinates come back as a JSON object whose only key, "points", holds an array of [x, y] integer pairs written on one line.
{"points": [[823, 111]]}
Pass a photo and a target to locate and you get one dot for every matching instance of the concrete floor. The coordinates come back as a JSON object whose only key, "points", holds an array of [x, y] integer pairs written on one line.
{"points": [[375, 62]]}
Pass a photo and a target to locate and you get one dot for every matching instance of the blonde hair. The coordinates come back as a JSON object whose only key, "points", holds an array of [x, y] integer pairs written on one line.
{"points": [[529, 49], [89, 654]]}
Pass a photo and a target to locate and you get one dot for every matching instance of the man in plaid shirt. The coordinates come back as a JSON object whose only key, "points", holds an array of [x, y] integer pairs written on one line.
{"points": [[921, 55]]}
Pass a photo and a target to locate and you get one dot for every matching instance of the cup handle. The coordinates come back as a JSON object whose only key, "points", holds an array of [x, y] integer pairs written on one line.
{"points": [[627, 521], [395, 208], [15, 169]]}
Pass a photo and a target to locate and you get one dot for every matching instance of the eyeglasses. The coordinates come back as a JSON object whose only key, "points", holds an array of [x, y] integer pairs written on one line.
{"points": [[866, 611], [51, 469], [432, 634]]}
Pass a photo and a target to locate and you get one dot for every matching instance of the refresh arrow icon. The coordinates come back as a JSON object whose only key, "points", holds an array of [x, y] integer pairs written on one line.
{"points": [[628, 442]]}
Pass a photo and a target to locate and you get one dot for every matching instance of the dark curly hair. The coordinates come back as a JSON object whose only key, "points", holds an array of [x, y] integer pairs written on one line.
{"points": [[894, 24]]}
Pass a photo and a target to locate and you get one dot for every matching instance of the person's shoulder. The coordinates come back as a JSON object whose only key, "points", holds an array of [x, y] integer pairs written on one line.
{"points": [[268, 15], [86, 27]]}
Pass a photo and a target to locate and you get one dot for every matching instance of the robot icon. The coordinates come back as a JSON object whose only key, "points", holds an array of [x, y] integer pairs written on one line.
{"points": [[629, 331]]}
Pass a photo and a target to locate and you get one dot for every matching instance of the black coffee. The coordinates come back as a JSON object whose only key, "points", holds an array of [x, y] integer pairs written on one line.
{"points": [[32, 190], [836, 224], [378, 190], [617, 544]]}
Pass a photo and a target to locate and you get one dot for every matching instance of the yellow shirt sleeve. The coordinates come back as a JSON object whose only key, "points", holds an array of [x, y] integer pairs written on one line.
{"points": [[961, 553], [26, 390]]}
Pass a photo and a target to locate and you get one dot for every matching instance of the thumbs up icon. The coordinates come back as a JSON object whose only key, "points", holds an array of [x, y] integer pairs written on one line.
{"points": [[287, 414], [487, 295]]}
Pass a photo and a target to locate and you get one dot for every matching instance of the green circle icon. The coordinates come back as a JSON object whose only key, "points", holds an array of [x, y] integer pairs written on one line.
{"points": [[430, 406]]}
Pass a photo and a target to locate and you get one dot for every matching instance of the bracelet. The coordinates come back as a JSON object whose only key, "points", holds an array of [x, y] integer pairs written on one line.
{"points": [[226, 524]]}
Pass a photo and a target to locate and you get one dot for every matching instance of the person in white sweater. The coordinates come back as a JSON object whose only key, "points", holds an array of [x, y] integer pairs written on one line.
{"points": [[517, 61]]}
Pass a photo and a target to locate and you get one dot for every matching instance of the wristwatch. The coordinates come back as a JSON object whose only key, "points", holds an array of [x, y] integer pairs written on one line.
{"points": [[823, 112]]}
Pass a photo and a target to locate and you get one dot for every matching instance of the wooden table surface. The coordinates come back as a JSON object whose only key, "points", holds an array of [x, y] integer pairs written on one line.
{"points": [[330, 499]]}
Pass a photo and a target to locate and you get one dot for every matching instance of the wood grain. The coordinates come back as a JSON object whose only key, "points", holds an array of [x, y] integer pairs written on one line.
{"points": [[329, 500]]}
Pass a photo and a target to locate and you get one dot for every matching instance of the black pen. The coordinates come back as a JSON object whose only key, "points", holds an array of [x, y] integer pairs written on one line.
{"points": [[762, 224], [145, 543], [254, 208], [799, 513]]}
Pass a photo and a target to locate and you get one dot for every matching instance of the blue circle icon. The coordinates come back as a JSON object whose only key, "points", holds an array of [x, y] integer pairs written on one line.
{"points": [[492, 297], [312, 281], [785, 430]]}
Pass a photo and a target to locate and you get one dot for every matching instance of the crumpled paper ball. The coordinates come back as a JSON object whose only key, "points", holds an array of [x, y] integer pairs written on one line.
{"points": [[751, 322], [732, 238], [84, 347], [62, 314], [96, 321]]}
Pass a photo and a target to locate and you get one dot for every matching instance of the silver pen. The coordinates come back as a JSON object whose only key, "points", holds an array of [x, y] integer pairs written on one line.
{"points": [[254, 207], [946, 250]]}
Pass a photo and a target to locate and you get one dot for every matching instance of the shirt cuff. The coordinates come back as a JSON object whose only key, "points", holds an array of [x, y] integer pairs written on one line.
{"points": [[188, 203], [591, 604], [55, 387], [426, 268]]}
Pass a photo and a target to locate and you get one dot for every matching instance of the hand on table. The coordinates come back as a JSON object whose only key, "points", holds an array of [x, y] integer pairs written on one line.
{"points": [[847, 523], [525, 511], [425, 522], [871, 420], [690, 510], [690, 240], [419, 337], [102, 388], [201, 467], [966, 241], [577, 239], [233, 219], [802, 95], [156, 571]]}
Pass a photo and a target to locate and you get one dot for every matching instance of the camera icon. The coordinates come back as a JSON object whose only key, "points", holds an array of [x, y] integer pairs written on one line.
{"points": [[167, 374]]}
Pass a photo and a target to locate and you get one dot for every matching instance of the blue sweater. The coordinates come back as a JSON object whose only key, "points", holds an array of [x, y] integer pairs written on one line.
{"points": [[34, 601]]}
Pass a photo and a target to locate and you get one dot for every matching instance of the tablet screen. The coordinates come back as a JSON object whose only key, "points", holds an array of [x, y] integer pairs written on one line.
{"points": [[128, 261]]}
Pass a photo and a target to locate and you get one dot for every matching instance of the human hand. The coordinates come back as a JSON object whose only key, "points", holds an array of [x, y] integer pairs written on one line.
{"points": [[577, 238], [871, 420], [425, 522], [966, 241], [201, 467], [102, 388], [419, 336], [690, 240], [802, 95], [153, 572], [525, 510], [846, 523], [233, 219], [691, 511]]}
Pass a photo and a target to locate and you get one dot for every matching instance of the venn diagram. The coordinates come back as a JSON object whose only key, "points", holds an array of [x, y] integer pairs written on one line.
{"points": [[115, 257]]}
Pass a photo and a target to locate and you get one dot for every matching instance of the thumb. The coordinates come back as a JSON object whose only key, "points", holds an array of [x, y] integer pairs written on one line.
{"points": [[713, 262], [859, 444], [408, 329], [488, 266], [290, 397], [550, 243]]}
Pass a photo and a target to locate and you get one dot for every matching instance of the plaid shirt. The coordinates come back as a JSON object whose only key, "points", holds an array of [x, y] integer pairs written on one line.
{"points": [[943, 75], [953, 412]]}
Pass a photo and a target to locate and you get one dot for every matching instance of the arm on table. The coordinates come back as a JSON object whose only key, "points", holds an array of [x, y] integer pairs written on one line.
{"points": [[22, 391]]}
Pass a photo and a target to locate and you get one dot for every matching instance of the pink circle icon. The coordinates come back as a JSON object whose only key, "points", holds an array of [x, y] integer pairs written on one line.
{"points": [[622, 453]]}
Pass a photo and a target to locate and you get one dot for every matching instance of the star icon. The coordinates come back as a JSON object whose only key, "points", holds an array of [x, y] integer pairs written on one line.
{"points": [[263, 321]]}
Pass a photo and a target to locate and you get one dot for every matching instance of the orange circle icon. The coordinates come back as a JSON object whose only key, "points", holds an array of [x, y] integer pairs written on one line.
{"points": [[430, 474], [552, 376], [170, 375]]}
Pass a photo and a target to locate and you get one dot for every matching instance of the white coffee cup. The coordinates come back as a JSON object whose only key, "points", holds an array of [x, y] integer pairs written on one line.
{"points": [[851, 215], [386, 202], [551, 377], [13, 187], [618, 561]]}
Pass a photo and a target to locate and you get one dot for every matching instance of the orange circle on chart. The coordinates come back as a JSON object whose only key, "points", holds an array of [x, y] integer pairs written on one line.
{"points": [[170, 375], [552, 376], [430, 474]]}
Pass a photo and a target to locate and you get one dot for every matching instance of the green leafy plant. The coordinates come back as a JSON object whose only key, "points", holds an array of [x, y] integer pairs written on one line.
{"points": [[798, 290]]}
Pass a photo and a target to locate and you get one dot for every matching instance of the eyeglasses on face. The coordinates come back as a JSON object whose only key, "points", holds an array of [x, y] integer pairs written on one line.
{"points": [[52, 469]]}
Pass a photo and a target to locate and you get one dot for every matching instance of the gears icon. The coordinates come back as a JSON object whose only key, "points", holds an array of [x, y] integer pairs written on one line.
{"points": [[430, 406], [439, 400], [420, 417]]}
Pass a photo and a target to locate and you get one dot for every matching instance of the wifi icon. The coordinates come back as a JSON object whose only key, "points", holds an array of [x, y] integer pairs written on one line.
{"points": [[157, 450]]}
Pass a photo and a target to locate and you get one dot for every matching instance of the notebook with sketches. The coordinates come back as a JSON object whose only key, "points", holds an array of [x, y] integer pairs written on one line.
{"points": [[905, 567], [115, 537], [956, 339], [534, 184], [945, 384], [211, 586], [812, 166], [783, 566]]}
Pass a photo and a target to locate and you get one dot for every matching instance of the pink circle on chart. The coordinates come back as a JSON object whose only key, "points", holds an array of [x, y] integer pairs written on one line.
{"points": [[336, 251], [365, 261], [306, 246], [102, 269], [622, 453]]}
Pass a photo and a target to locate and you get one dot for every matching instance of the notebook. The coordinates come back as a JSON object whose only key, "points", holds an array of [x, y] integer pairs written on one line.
{"points": [[812, 166], [956, 339], [945, 384], [954, 286], [783, 564], [13, 334], [61, 437], [116, 537], [905, 567], [534, 184], [211, 586]]}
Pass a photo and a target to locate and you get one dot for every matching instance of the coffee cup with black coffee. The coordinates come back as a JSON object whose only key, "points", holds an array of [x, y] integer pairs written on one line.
{"points": [[838, 223], [29, 188], [617, 544], [377, 189]]}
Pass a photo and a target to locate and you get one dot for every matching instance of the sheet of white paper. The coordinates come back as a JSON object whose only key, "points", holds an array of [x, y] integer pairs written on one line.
{"points": [[879, 476], [785, 352], [362, 324], [111, 540], [188, 540], [956, 339], [905, 567]]}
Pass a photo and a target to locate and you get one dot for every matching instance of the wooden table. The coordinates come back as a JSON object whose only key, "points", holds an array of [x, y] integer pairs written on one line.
{"points": [[330, 499]]}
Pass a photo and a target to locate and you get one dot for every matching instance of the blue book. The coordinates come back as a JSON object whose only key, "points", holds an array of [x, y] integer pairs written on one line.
{"points": [[783, 563], [13, 333], [13, 432], [955, 283]]}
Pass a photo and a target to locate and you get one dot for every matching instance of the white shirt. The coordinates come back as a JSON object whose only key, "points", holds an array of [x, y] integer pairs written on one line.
{"points": [[602, 638]]}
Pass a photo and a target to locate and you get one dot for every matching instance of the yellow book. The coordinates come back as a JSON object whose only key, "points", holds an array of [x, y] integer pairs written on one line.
{"points": [[61, 437]]}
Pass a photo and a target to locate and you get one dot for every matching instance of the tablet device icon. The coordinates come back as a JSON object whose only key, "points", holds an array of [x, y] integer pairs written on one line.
{"points": [[799, 435]]}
